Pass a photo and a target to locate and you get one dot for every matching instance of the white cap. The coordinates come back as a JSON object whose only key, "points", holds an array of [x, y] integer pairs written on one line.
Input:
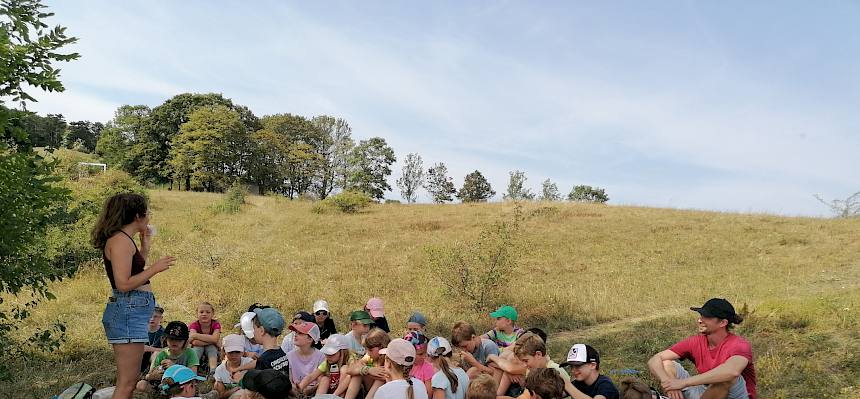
{"points": [[247, 324], [439, 346], [321, 304], [334, 343], [234, 343]]}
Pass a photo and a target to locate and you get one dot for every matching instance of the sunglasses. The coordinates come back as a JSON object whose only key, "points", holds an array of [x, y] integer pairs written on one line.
{"points": [[321, 313]]}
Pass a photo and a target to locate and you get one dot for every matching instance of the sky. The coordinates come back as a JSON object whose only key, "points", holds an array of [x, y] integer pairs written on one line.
{"points": [[729, 106]]}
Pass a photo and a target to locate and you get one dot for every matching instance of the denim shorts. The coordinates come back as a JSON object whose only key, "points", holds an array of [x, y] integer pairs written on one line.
{"points": [[126, 317]]}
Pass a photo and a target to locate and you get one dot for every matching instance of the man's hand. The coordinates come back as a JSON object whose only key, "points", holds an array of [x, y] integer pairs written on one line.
{"points": [[673, 384]]}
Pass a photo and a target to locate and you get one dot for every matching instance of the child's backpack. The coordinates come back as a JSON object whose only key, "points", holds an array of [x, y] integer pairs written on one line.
{"points": [[78, 391]]}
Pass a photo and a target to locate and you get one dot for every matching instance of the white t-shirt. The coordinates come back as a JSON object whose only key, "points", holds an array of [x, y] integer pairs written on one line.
{"points": [[441, 381], [354, 344], [222, 375], [397, 390]]}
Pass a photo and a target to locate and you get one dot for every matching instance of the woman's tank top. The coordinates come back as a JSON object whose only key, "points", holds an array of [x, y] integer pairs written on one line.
{"points": [[137, 263]]}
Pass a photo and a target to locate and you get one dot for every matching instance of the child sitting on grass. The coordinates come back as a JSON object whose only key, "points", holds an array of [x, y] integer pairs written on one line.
{"points": [[416, 322], [156, 331], [482, 387], [368, 372], [179, 382], [505, 332], [304, 358], [544, 383], [205, 334], [268, 325], [451, 381], [475, 349], [359, 324], [176, 352], [331, 375], [228, 374], [399, 356], [507, 364], [531, 350], [421, 368]]}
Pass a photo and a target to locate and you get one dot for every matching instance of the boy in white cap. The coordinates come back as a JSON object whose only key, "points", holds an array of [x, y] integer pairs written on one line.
{"points": [[399, 357], [229, 373], [587, 382]]}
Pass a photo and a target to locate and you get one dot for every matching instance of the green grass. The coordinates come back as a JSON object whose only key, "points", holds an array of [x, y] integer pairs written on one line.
{"points": [[619, 278]]}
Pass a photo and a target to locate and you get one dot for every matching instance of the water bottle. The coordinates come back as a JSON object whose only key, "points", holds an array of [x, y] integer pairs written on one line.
{"points": [[151, 230]]}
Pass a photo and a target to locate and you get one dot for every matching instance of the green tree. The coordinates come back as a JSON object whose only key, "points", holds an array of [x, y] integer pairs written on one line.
{"points": [[84, 134], [412, 177], [290, 149], [208, 151], [475, 188], [439, 184], [584, 193], [120, 134], [516, 189], [30, 201], [334, 151], [549, 191], [370, 165]]}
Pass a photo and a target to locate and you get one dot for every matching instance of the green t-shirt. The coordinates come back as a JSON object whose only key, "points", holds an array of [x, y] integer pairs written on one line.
{"points": [[187, 358]]}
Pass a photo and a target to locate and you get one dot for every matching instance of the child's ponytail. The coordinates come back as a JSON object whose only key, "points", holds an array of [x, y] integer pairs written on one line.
{"points": [[449, 374], [410, 392]]}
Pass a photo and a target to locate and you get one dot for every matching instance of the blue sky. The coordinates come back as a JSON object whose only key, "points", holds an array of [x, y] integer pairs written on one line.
{"points": [[736, 106]]}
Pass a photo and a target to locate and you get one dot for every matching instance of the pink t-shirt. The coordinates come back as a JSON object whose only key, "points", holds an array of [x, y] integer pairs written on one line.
{"points": [[214, 325], [696, 349], [423, 371]]}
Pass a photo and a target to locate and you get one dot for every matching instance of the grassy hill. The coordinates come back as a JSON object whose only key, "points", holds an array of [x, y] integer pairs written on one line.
{"points": [[619, 278]]}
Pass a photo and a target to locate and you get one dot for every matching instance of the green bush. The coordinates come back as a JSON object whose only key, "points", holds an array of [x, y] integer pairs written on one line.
{"points": [[348, 201], [392, 201], [232, 201]]}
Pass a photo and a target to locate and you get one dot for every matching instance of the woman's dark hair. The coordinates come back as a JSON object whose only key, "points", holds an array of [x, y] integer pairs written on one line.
{"points": [[537, 331], [118, 211]]}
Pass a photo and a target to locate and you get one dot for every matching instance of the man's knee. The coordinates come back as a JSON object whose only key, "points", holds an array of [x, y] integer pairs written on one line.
{"points": [[671, 368]]}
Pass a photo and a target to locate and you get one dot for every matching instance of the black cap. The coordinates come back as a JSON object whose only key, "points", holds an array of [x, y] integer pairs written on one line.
{"points": [[577, 355], [304, 316], [176, 330], [270, 383], [719, 308]]}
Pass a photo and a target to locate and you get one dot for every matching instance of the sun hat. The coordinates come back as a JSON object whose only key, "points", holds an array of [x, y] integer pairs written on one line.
{"points": [[247, 324], [506, 311], [271, 321], [180, 375], [308, 328], [321, 304], [234, 343], [439, 346], [375, 307], [334, 343], [399, 351]]}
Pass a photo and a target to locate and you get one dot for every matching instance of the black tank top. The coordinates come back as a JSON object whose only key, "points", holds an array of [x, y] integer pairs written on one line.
{"points": [[137, 263]]}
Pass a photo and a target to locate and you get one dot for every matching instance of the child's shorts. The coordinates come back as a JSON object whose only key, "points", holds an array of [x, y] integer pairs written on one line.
{"points": [[126, 317]]}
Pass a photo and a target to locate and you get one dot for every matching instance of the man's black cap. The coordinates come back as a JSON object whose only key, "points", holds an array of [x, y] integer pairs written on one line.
{"points": [[719, 308]]}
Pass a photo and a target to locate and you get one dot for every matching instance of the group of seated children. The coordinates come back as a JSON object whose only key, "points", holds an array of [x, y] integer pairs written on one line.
{"points": [[313, 359]]}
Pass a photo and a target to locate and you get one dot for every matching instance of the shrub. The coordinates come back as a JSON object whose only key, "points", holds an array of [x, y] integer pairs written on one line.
{"points": [[588, 194], [232, 200], [348, 201], [392, 201]]}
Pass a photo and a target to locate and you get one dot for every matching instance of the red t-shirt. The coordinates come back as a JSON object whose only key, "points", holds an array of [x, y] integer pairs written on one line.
{"points": [[695, 348], [213, 325]]}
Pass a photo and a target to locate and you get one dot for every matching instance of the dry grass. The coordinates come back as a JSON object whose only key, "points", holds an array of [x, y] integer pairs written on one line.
{"points": [[626, 272]]}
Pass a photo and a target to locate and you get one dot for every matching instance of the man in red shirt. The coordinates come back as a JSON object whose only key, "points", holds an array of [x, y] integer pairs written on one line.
{"points": [[723, 360]]}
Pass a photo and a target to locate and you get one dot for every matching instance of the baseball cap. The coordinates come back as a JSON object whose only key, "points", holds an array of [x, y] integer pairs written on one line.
{"points": [[506, 311], [320, 304], [304, 316], [719, 308], [334, 343], [180, 375], [400, 351], [416, 338], [271, 320], [375, 307], [247, 324], [417, 317], [234, 343], [176, 330], [439, 346], [362, 316], [581, 354], [270, 383], [308, 328]]}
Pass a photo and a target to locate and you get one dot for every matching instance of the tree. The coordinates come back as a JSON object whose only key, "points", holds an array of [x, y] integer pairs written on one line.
{"points": [[475, 188], [208, 150], [336, 145], [549, 191], [587, 194], [84, 133], [288, 156], [412, 177], [849, 207], [119, 134], [516, 191], [439, 184], [370, 166], [29, 198]]}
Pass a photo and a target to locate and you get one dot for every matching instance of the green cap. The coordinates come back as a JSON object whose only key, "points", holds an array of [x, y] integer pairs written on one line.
{"points": [[362, 316], [507, 312]]}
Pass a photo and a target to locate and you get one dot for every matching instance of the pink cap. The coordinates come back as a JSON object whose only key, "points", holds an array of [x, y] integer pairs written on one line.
{"points": [[374, 307], [399, 351], [307, 328]]}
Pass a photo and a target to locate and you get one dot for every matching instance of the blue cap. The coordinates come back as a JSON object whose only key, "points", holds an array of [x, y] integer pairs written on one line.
{"points": [[180, 375], [271, 320], [417, 317]]}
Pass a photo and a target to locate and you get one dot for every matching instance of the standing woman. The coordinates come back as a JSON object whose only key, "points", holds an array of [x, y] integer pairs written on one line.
{"points": [[131, 303]]}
